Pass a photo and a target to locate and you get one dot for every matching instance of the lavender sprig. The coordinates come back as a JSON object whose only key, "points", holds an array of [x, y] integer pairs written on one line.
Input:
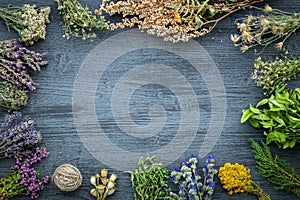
{"points": [[189, 181], [18, 136], [29, 21], [15, 61], [24, 179]]}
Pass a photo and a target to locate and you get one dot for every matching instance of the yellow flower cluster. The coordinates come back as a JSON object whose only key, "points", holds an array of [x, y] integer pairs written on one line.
{"points": [[235, 178]]}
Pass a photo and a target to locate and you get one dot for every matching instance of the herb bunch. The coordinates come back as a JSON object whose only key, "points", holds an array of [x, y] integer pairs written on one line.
{"points": [[276, 170], [29, 21], [191, 186], [272, 75], [79, 21], [18, 136], [149, 180], [16, 61], [174, 20], [262, 30], [280, 115], [12, 97], [23, 178], [236, 178]]}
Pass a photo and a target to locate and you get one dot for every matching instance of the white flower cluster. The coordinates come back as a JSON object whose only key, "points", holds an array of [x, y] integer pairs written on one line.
{"points": [[34, 22]]}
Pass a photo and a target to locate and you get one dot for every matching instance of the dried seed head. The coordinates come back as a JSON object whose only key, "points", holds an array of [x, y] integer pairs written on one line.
{"points": [[110, 185], [93, 192], [104, 173], [113, 177]]}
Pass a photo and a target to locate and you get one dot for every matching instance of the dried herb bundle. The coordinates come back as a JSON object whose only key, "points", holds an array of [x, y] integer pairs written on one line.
{"points": [[23, 178], [79, 21], [280, 115], [29, 21], [236, 178], [15, 62], [272, 75], [276, 170], [264, 29], [150, 180], [174, 20], [189, 181], [12, 97], [18, 136]]}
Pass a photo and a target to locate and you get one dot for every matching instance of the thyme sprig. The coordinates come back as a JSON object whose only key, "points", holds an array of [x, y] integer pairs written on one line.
{"points": [[276, 170], [12, 97], [149, 180], [79, 21], [271, 75]]}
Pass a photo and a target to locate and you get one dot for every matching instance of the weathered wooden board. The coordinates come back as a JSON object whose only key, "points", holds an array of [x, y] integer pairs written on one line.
{"points": [[58, 118]]}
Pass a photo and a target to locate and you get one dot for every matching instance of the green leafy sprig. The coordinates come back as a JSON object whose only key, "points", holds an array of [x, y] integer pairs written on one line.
{"points": [[274, 74], [149, 180], [276, 170], [79, 21], [280, 115]]}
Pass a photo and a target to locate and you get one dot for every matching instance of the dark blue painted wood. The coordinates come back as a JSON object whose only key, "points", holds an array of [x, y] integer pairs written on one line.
{"points": [[51, 105]]}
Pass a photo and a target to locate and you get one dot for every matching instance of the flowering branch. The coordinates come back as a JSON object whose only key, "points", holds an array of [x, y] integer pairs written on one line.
{"points": [[24, 179], [15, 61], [262, 30], [18, 136], [174, 20], [79, 21], [190, 184], [236, 178], [29, 21]]}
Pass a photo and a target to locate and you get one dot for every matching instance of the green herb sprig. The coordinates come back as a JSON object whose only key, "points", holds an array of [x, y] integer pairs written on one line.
{"points": [[149, 180], [276, 170], [271, 75], [280, 115], [79, 21], [12, 97]]}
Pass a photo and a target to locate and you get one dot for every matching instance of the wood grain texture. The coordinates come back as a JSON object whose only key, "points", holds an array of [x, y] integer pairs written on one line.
{"points": [[51, 104]]}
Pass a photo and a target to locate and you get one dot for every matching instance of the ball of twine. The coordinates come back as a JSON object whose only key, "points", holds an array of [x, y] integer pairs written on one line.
{"points": [[67, 178]]}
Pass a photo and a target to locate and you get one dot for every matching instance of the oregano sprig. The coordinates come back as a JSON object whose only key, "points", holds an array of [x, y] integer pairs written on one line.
{"points": [[279, 115], [276, 170]]}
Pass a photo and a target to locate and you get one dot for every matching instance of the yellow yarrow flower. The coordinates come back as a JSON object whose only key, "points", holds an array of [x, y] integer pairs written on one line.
{"points": [[177, 17], [236, 178]]}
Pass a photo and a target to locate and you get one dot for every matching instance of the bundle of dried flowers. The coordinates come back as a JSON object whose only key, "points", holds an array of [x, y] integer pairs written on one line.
{"points": [[23, 178], [18, 136], [15, 61], [264, 29], [29, 21], [79, 21], [174, 20], [12, 97]]}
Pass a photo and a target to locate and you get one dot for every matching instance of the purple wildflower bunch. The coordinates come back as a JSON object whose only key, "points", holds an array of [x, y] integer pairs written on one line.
{"points": [[261, 30], [29, 21], [191, 185], [15, 62], [18, 136], [23, 178]]}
